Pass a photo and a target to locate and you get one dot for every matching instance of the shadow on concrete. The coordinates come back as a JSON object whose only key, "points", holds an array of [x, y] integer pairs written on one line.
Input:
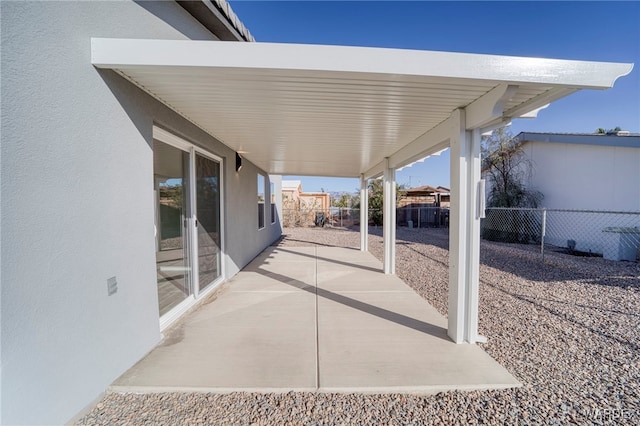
{"points": [[421, 326], [338, 262]]}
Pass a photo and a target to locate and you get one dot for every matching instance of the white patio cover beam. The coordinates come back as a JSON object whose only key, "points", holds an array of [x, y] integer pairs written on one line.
{"points": [[432, 141], [389, 219], [337, 110], [113, 53], [364, 214], [536, 103], [376, 171], [489, 108]]}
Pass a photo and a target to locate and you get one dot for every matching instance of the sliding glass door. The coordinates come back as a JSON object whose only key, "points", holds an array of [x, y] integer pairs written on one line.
{"points": [[208, 220], [171, 176], [188, 223]]}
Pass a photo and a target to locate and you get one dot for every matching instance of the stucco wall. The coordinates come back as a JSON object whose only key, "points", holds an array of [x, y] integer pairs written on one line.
{"points": [[77, 204], [589, 177], [585, 177]]}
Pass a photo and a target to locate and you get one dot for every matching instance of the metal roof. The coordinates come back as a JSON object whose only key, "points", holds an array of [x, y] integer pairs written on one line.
{"points": [[218, 17], [629, 141], [339, 110], [428, 189]]}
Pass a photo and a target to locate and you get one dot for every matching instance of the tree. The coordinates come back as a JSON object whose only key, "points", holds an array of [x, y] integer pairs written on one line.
{"points": [[507, 168], [602, 131], [345, 201], [376, 199]]}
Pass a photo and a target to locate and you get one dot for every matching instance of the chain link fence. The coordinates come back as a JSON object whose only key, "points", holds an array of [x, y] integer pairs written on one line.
{"points": [[609, 234], [336, 217], [422, 217], [339, 217]]}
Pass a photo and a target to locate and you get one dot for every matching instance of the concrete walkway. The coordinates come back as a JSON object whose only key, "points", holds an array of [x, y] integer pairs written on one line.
{"points": [[314, 319]]}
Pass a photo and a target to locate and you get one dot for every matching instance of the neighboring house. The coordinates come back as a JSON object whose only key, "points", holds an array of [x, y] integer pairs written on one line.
{"points": [[424, 206], [427, 196], [315, 201], [583, 171], [301, 207], [291, 190], [293, 197], [125, 197]]}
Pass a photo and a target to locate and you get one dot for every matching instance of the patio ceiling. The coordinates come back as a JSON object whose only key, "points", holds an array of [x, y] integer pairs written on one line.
{"points": [[336, 110]]}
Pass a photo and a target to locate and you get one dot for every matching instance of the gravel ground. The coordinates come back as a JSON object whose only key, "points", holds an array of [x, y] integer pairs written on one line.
{"points": [[569, 330]]}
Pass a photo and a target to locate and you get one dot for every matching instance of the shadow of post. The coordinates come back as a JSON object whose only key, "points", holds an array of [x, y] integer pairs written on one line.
{"points": [[395, 317]]}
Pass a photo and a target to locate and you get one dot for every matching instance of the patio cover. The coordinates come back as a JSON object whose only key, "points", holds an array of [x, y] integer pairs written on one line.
{"points": [[357, 112]]}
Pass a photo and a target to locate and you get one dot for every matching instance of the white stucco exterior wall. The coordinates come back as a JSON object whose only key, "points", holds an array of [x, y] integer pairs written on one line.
{"points": [[77, 204], [586, 177]]}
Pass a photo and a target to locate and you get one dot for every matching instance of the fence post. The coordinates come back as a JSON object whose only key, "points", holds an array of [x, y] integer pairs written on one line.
{"points": [[419, 217], [543, 232]]}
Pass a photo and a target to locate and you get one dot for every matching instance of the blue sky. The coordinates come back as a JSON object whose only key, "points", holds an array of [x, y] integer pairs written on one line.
{"points": [[599, 31]]}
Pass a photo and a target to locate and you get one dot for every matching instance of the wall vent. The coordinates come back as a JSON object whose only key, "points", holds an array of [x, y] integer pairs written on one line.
{"points": [[112, 286]]}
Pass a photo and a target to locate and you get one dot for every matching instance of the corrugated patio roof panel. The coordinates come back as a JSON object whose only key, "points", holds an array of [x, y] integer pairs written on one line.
{"points": [[333, 110]]}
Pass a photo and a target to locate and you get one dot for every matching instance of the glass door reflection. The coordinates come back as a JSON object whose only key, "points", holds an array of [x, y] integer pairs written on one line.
{"points": [[171, 177], [207, 202]]}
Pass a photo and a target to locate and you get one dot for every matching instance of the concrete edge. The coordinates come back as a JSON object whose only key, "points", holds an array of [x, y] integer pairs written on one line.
{"points": [[86, 410], [173, 389], [410, 390], [419, 390]]}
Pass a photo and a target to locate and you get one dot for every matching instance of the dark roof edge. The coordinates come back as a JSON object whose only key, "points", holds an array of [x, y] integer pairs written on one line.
{"points": [[218, 17], [629, 141]]}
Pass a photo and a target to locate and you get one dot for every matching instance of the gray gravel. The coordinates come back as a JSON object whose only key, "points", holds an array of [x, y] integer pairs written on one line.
{"points": [[569, 330]]}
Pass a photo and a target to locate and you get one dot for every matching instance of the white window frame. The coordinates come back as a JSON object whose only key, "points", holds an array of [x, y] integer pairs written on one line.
{"points": [[272, 201], [171, 139], [264, 203]]}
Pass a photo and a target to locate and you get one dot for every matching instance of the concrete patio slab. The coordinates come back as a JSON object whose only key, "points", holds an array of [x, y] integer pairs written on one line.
{"points": [[247, 340], [393, 341], [271, 281], [287, 273], [343, 254], [340, 279], [317, 319], [288, 254]]}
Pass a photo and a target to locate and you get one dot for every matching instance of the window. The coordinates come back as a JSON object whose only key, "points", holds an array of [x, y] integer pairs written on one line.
{"points": [[273, 203], [261, 188], [189, 229]]}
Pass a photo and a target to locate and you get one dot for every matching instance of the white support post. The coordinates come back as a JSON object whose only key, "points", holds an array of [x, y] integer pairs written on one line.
{"points": [[476, 207], [364, 214], [389, 218], [457, 227], [464, 232]]}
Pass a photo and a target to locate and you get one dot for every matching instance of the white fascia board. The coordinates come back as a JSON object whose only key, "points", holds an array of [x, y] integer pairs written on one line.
{"points": [[432, 141], [394, 63]]}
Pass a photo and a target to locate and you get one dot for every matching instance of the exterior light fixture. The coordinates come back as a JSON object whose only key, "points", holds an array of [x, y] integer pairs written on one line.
{"points": [[238, 162]]}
